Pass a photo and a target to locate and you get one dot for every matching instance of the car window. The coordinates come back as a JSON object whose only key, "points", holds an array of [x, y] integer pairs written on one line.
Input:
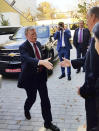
{"points": [[42, 31], [20, 34]]}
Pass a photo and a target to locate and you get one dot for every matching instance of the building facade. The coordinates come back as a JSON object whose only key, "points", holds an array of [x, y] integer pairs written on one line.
{"points": [[6, 9]]}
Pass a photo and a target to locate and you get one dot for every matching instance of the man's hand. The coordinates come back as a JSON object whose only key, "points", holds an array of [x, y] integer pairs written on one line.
{"points": [[78, 91], [58, 29], [46, 63], [65, 63]]}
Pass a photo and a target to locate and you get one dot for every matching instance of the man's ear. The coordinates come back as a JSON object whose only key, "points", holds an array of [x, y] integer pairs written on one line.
{"points": [[94, 18]]}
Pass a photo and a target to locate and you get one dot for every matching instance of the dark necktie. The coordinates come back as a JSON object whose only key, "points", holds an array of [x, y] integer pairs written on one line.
{"points": [[36, 51], [37, 55], [61, 38]]}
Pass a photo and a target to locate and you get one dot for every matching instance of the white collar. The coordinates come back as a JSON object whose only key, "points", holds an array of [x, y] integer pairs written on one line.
{"points": [[31, 43]]}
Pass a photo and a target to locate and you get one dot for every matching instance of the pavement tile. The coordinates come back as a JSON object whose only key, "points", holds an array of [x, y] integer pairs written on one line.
{"points": [[67, 107]]}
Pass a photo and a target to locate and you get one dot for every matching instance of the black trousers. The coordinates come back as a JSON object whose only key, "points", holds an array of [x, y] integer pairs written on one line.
{"points": [[91, 114], [41, 87], [97, 102], [81, 53]]}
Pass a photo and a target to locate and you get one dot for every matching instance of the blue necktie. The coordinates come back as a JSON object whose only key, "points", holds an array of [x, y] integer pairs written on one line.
{"points": [[61, 38]]}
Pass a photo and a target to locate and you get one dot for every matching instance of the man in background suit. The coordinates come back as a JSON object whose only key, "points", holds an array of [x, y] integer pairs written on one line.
{"points": [[81, 41], [91, 60], [63, 47], [33, 77]]}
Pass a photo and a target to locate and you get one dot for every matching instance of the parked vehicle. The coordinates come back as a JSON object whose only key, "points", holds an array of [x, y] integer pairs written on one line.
{"points": [[9, 52], [6, 31]]}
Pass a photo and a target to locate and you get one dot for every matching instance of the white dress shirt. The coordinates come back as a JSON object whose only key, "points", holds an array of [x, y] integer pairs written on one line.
{"points": [[34, 49], [63, 43]]}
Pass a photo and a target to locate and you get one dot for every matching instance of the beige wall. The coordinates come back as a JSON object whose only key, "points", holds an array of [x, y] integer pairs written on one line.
{"points": [[4, 7]]}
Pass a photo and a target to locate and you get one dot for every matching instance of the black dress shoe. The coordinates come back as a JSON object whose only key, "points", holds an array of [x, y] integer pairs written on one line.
{"points": [[51, 127], [69, 78], [62, 76], [27, 115], [78, 70]]}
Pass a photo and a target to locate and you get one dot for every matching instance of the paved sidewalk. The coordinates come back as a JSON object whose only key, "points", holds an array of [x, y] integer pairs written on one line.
{"points": [[67, 107]]}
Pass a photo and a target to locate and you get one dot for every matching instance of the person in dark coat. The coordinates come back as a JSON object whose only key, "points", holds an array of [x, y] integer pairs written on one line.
{"points": [[91, 61], [96, 79], [81, 41], [33, 77]]}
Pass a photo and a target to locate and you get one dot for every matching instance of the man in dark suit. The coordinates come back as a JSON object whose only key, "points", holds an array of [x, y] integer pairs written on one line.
{"points": [[91, 61], [33, 77], [63, 47], [96, 35], [81, 41]]}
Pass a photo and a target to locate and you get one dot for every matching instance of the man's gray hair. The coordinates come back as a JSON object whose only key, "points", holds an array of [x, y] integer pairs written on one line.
{"points": [[29, 28], [94, 10]]}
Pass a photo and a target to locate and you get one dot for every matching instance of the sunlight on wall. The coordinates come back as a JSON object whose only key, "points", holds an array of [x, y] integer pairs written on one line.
{"points": [[82, 128]]}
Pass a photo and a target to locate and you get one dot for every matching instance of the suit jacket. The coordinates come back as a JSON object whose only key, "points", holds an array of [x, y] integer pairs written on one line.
{"points": [[91, 61], [86, 39], [67, 36], [29, 75]]}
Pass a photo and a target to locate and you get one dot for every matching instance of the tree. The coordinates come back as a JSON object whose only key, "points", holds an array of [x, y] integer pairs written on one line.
{"points": [[46, 11], [94, 3], [60, 15], [28, 15], [3, 21], [85, 7], [82, 11]]}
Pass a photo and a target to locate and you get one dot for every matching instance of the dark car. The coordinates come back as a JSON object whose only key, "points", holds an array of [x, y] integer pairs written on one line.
{"points": [[9, 52]]}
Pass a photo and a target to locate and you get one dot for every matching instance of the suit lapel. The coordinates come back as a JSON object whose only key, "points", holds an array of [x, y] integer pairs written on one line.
{"points": [[77, 33], [60, 35], [84, 34], [30, 49], [38, 45]]}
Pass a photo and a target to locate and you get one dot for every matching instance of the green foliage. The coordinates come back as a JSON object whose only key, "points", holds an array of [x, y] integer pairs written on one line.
{"points": [[60, 16], [83, 11], [46, 11], [3, 21]]}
